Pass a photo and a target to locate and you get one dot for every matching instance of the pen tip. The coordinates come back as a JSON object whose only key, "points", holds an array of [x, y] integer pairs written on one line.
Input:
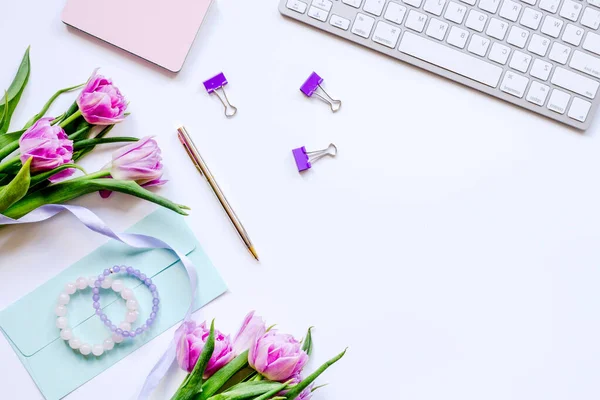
{"points": [[251, 248]]}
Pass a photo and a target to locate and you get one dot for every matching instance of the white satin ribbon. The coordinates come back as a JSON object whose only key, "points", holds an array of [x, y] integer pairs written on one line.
{"points": [[93, 222]]}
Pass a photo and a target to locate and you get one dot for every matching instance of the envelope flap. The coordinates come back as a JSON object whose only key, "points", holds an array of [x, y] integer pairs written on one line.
{"points": [[30, 321]]}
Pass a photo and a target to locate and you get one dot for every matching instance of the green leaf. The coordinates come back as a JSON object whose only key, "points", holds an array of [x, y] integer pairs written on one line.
{"points": [[5, 112], [49, 103], [73, 188], [247, 390], [10, 138], [37, 179], [307, 345], [93, 142], [12, 166], [272, 392], [193, 382], [9, 142], [296, 390], [16, 189], [14, 92], [216, 382]]}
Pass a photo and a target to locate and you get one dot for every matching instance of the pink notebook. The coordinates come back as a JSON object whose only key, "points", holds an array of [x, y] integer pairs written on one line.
{"points": [[161, 31]]}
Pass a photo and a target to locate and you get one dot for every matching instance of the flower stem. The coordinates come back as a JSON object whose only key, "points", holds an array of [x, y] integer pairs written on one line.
{"points": [[71, 118], [99, 174]]}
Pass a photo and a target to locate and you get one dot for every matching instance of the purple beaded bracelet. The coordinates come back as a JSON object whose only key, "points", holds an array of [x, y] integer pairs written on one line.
{"points": [[119, 334]]}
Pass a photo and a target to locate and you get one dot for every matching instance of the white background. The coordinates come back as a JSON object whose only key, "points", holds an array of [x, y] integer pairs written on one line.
{"points": [[452, 244]]}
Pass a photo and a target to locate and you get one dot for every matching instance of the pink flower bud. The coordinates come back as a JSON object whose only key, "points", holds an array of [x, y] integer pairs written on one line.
{"points": [[190, 343], [251, 327], [306, 394], [139, 161], [100, 102], [49, 146], [277, 356]]}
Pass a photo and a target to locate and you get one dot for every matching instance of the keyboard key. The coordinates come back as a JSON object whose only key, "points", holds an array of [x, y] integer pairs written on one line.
{"points": [[437, 29], [374, 7], [595, 3], [324, 5], [297, 5], [592, 43], [414, 3], [541, 69], [574, 82], [455, 12], [559, 53], [317, 13], [353, 3], [434, 6], [537, 93], [520, 61], [510, 10], [585, 63], [458, 37], [552, 26], [570, 10], [518, 36], [539, 45], [363, 25], [558, 101], [339, 22], [549, 5], [490, 6], [386, 34], [579, 109], [452, 60], [591, 18], [514, 84], [531, 18], [415, 21], [572, 34], [499, 53], [497, 29], [476, 20], [395, 13], [478, 45]]}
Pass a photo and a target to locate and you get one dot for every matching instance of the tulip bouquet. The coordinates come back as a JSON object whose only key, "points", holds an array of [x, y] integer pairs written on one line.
{"points": [[38, 161], [260, 363]]}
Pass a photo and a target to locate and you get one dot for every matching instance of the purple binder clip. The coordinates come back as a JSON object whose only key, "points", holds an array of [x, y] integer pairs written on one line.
{"points": [[309, 88], [213, 85], [304, 159]]}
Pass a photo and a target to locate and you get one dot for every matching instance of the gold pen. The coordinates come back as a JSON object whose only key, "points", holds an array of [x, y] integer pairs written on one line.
{"points": [[192, 151]]}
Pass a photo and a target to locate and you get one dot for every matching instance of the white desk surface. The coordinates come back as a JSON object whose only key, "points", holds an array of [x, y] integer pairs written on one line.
{"points": [[452, 244]]}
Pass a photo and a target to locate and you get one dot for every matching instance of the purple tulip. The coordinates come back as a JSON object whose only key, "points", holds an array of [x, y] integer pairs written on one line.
{"points": [[100, 102], [277, 356], [190, 343], [246, 336], [139, 161], [49, 146]]}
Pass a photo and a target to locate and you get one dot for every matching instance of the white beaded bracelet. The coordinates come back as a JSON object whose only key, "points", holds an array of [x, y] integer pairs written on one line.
{"points": [[63, 324]]}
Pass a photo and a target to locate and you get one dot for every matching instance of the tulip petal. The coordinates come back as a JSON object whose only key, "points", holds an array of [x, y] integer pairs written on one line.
{"points": [[252, 326]]}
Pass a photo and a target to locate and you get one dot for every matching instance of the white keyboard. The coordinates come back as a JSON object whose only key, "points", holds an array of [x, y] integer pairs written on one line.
{"points": [[543, 55]]}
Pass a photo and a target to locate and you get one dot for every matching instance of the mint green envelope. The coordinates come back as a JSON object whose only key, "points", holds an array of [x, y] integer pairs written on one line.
{"points": [[29, 323]]}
